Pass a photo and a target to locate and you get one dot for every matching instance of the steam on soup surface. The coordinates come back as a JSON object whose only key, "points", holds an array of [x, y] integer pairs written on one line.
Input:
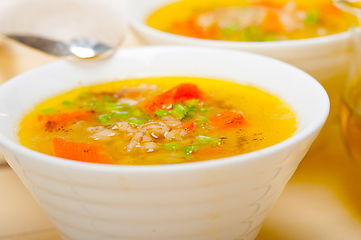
{"points": [[157, 121], [258, 20]]}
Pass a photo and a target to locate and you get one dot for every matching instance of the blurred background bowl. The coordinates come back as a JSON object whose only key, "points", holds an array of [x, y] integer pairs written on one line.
{"points": [[322, 57]]}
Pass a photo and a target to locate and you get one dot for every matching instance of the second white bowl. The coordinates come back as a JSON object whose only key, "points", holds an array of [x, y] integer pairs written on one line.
{"points": [[323, 57]]}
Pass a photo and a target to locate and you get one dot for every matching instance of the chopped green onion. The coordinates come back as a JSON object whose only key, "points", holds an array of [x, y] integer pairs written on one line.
{"points": [[67, 103], [192, 103], [49, 110], [203, 121], [108, 106], [172, 146], [137, 113], [126, 107], [105, 118], [95, 105], [203, 139], [137, 121], [121, 115], [204, 110], [312, 16], [188, 150], [160, 113], [108, 98], [191, 113], [179, 111]]}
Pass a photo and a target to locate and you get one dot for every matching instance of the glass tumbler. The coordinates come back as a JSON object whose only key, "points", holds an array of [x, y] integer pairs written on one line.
{"points": [[351, 97]]}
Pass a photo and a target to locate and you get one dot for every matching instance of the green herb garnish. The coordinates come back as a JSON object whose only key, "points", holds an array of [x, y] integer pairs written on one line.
{"points": [[109, 106], [191, 113], [95, 105], [160, 113], [193, 103], [137, 121], [67, 103], [121, 115], [104, 119], [137, 113], [172, 146], [179, 111], [313, 16], [203, 121], [189, 150], [49, 110]]}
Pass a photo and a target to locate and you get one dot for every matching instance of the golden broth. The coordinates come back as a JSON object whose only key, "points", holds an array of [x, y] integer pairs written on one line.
{"points": [[267, 121], [271, 20]]}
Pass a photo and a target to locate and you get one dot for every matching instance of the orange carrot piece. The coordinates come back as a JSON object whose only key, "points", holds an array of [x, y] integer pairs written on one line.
{"points": [[188, 127], [187, 91], [226, 120], [180, 93], [80, 151], [330, 9], [271, 22], [161, 101], [191, 28], [58, 120]]}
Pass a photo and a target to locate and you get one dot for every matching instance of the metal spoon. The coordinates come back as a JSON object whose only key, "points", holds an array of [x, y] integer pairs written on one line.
{"points": [[79, 48], [77, 29]]}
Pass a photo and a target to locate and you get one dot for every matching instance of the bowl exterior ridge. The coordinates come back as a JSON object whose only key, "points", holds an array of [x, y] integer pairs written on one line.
{"points": [[225, 211]]}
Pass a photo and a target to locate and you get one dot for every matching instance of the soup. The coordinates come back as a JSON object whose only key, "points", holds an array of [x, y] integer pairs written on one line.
{"points": [[163, 120], [240, 20]]}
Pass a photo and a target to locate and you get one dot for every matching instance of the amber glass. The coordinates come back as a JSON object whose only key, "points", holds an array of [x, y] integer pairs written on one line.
{"points": [[351, 99]]}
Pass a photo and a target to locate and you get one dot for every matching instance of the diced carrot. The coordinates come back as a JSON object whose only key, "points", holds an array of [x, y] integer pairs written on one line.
{"points": [[187, 91], [191, 28], [54, 121], [180, 93], [210, 152], [226, 120], [161, 101], [329, 9], [80, 151], [188, 127], [186, 28], [271, 22]]}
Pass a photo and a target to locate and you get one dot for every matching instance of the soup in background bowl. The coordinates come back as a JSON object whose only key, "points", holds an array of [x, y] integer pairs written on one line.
{"points": [[323, 57], [226, 198], [250, 21]]}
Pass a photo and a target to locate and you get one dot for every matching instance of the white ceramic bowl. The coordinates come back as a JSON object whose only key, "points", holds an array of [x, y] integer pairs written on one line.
{"points": [[225, 199], [323, 57]]}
